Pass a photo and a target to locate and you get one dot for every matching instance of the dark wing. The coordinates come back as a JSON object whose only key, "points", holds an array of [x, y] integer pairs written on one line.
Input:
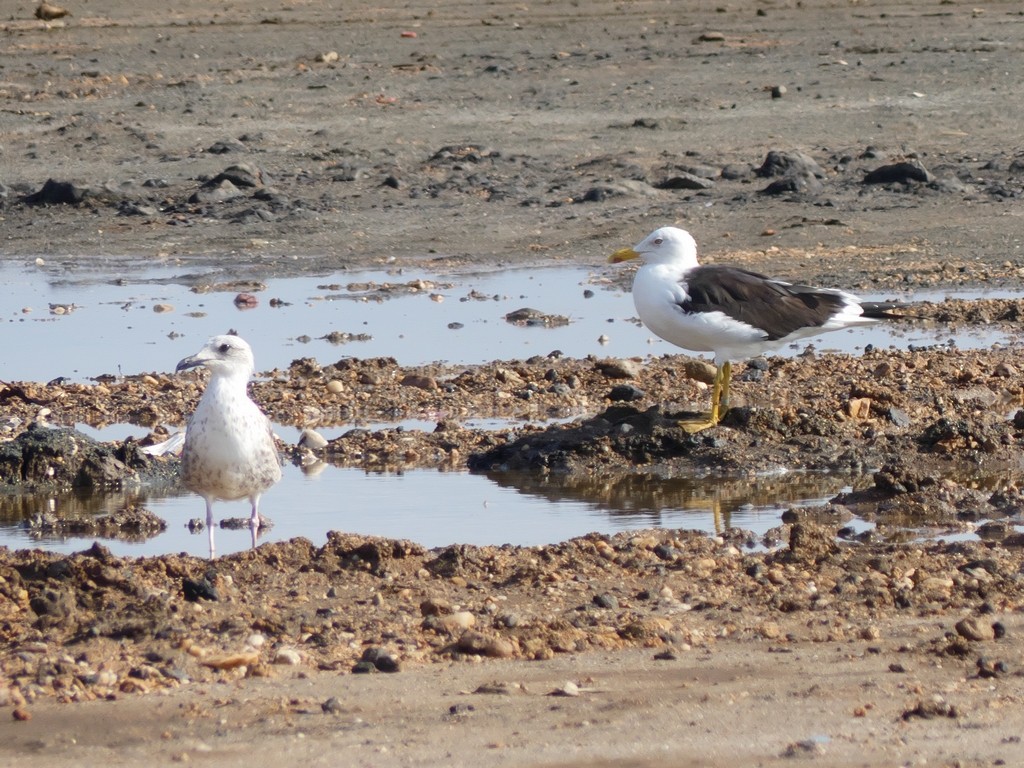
{"points": [[776, 308]]}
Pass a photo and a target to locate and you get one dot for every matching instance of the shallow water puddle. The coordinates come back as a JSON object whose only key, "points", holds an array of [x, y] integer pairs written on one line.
{"points": [[101, 324], [104, 323], [439, 508]]}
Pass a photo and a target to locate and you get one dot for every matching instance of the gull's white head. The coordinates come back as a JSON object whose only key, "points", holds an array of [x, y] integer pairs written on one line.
{"points": [[667, 245], [226, 355]]}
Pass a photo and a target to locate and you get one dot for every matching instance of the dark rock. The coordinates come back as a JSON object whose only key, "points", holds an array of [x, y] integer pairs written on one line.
{"points": [[685, 181], [606, 600], [899, 173], [57, 193], [527, 316], [332, 706], [931, 709], [625, 393], [735, 171], [44, 457], [794, 184], [991, 669], [53, 607], [195, 590], [240, 175], [224, 146], [778, 163], [383, 659]]}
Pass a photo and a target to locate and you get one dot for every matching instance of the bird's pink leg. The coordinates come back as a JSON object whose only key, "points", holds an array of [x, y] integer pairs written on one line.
{"points": [[209, 525], [254, 520]]}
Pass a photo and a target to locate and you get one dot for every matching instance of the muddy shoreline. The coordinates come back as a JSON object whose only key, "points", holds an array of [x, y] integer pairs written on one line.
{"points": [[867, 146]]}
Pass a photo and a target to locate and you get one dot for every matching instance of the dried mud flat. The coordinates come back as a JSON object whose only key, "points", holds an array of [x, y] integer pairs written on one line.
{"points": [[298, 139]]}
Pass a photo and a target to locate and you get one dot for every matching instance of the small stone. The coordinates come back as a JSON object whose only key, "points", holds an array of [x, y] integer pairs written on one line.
{"points": [[332, 706], [479, 644], [383, 659], [1004, 370], [427, 383], [335, 387], [312, 439], [21, 714], [614, 368], [451, 624], [898, 417], [246, 301], [899, 173], [435, 606], [870, 633], [625, 393], [199, 589], [973, 629], [288, 656], [606, 600], [699, 370], [805, 748], [778, 91], [991, 669], [569, 689], [162, 308]]}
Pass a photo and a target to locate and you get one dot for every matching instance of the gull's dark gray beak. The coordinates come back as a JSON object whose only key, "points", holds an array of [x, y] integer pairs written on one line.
{"points": [[193, 361]]}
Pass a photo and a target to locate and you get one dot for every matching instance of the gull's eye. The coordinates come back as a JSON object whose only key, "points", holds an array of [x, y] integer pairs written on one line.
{"points": [[224, 348], [658, 241]]}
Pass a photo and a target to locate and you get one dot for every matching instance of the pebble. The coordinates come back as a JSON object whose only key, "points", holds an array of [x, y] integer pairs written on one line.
{"points": [[332, 706], [974, 629], [615, 368], [381, 658], [287, 656], [427, 383], [568, 689], [479, 644], [452, 623], [699, 370], [310, 438], [625, 393], [434, 606]]}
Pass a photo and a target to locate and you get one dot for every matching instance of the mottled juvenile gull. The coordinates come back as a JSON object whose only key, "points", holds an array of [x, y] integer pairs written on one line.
{"points": [[229, 449], [729, 311]]}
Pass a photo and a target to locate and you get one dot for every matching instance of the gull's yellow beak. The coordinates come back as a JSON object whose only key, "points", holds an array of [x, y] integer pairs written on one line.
{"points": [[623, 254]]}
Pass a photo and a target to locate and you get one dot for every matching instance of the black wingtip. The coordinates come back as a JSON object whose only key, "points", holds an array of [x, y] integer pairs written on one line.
{"points": [[886, 310]]}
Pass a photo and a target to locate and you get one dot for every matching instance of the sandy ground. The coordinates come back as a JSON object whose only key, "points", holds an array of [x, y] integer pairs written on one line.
{"points": [[314, 137]]}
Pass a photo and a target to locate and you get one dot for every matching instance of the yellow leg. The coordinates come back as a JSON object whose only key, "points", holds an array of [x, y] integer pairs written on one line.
{"points": [[723, 399], [719, 401]]}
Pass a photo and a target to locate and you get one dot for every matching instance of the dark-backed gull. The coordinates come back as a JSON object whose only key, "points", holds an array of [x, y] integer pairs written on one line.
{"points": [[732, 312], [229, 448]]}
